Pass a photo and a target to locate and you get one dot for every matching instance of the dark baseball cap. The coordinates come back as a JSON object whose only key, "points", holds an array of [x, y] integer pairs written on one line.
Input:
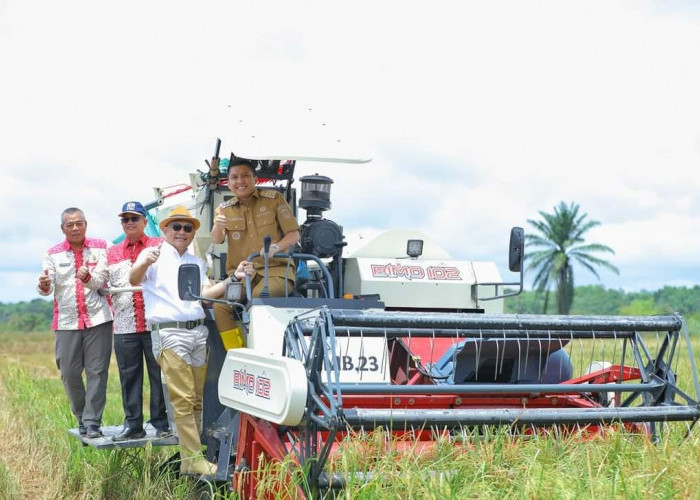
{"points": [[133, 207]]}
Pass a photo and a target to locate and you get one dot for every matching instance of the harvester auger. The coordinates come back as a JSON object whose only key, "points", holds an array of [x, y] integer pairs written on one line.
{"points": [[452, 372]]}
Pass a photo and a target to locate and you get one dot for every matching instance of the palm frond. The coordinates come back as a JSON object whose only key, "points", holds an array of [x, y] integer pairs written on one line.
{"points": [[590, 259], [558, 242], [593, 247]]}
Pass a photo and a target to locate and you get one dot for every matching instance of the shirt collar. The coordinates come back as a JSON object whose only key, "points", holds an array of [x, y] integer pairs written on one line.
{"points": [[141, 239], [236, 201], [173, 251], [67, 246]]}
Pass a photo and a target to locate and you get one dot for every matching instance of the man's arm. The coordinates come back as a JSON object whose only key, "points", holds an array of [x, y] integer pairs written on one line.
{"points": [[289, 226], [99, 275], [147, 257], [216, 290], [218, 232], [138, 271], [45, 284], [288, 240]]}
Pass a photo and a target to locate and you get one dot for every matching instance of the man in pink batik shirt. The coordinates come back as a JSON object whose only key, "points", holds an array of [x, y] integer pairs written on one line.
{"points": [[74, 271]]}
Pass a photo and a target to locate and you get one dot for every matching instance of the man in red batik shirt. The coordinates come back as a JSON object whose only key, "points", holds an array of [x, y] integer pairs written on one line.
{"points": [[132, 340]]}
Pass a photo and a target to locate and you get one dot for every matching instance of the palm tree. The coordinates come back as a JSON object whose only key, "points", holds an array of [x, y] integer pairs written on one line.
{"points": [[558, 243]]}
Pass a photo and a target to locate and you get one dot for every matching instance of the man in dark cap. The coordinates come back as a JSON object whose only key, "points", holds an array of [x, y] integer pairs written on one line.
{"points": [[132, 339]]}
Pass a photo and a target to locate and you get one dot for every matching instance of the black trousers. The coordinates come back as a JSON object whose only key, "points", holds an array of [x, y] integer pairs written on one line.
{"points": [[130, 350]]}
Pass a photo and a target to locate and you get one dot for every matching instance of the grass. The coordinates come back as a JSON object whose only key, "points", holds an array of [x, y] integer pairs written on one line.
{"points": [[39, 459], [503, 466]]}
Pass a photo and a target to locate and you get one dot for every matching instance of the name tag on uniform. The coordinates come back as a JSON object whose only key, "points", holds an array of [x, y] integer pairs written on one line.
{"points": [[64, 264]]}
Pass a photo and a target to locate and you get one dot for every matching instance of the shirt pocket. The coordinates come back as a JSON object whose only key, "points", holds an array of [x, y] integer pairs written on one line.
{"points": [[65, 271], [264, 219], [235, 223]]}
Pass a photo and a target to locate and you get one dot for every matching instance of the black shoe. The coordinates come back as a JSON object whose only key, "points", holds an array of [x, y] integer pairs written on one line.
{"points": [[163, 433], [81, 429], [93, 431], [128, 433]]}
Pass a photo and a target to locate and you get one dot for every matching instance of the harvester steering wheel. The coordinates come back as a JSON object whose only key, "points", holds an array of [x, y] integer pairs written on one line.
{"points": [[330, 290]]}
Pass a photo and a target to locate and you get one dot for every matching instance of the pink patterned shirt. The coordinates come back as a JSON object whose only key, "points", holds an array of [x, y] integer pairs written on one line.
{"points": [[76, 304], [129, 312]]}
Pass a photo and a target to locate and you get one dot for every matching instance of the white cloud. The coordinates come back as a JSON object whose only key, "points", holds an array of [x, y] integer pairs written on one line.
{"points": [[18, 286], [480, 114]]}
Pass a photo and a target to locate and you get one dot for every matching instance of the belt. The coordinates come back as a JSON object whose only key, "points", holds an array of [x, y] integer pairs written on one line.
{"points": [[189, 325]]}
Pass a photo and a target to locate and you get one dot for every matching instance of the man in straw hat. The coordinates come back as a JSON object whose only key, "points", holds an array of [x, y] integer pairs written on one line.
{"points": [[179, 333]]}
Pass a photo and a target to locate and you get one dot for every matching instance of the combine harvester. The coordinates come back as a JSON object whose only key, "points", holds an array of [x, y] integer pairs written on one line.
{"points": [[399, 336]]}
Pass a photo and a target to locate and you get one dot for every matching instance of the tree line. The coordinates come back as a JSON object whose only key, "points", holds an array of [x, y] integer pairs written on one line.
{"points": [[595, 299], [31, 316]]}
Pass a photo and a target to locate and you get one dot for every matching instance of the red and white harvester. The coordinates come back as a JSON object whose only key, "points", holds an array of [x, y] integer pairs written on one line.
{"points": [[397, 335]]}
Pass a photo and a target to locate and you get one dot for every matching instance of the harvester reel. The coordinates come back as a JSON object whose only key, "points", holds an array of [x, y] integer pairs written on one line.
{"points": [[427, 396]]}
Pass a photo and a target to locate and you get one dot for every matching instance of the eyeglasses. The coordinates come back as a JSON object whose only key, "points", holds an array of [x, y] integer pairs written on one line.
{"points": [[187, 227], [133, 218]]}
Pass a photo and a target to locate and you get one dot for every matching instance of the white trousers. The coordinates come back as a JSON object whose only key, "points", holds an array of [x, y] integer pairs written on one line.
{"points": [[190, 345]]}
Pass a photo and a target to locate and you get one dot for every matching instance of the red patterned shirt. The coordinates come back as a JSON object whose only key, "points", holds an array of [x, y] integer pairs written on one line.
{"points": [[129, 313], [76, 304]]}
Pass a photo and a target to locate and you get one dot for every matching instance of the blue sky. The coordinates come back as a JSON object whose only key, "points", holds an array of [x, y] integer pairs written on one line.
{"points": [[478, 115]]}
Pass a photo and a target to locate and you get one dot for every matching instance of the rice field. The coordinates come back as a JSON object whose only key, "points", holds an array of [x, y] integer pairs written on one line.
{"points": [[39, 459]]}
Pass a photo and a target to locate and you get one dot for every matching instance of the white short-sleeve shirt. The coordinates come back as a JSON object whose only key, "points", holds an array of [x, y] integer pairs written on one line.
{"points": [[160, 292]]}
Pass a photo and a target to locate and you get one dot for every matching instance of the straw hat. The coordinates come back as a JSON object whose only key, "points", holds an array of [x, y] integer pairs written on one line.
{"points": [[179, 213]]}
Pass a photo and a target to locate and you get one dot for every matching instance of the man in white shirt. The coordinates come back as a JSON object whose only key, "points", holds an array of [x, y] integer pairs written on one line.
{"points": [[178, 329]]}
